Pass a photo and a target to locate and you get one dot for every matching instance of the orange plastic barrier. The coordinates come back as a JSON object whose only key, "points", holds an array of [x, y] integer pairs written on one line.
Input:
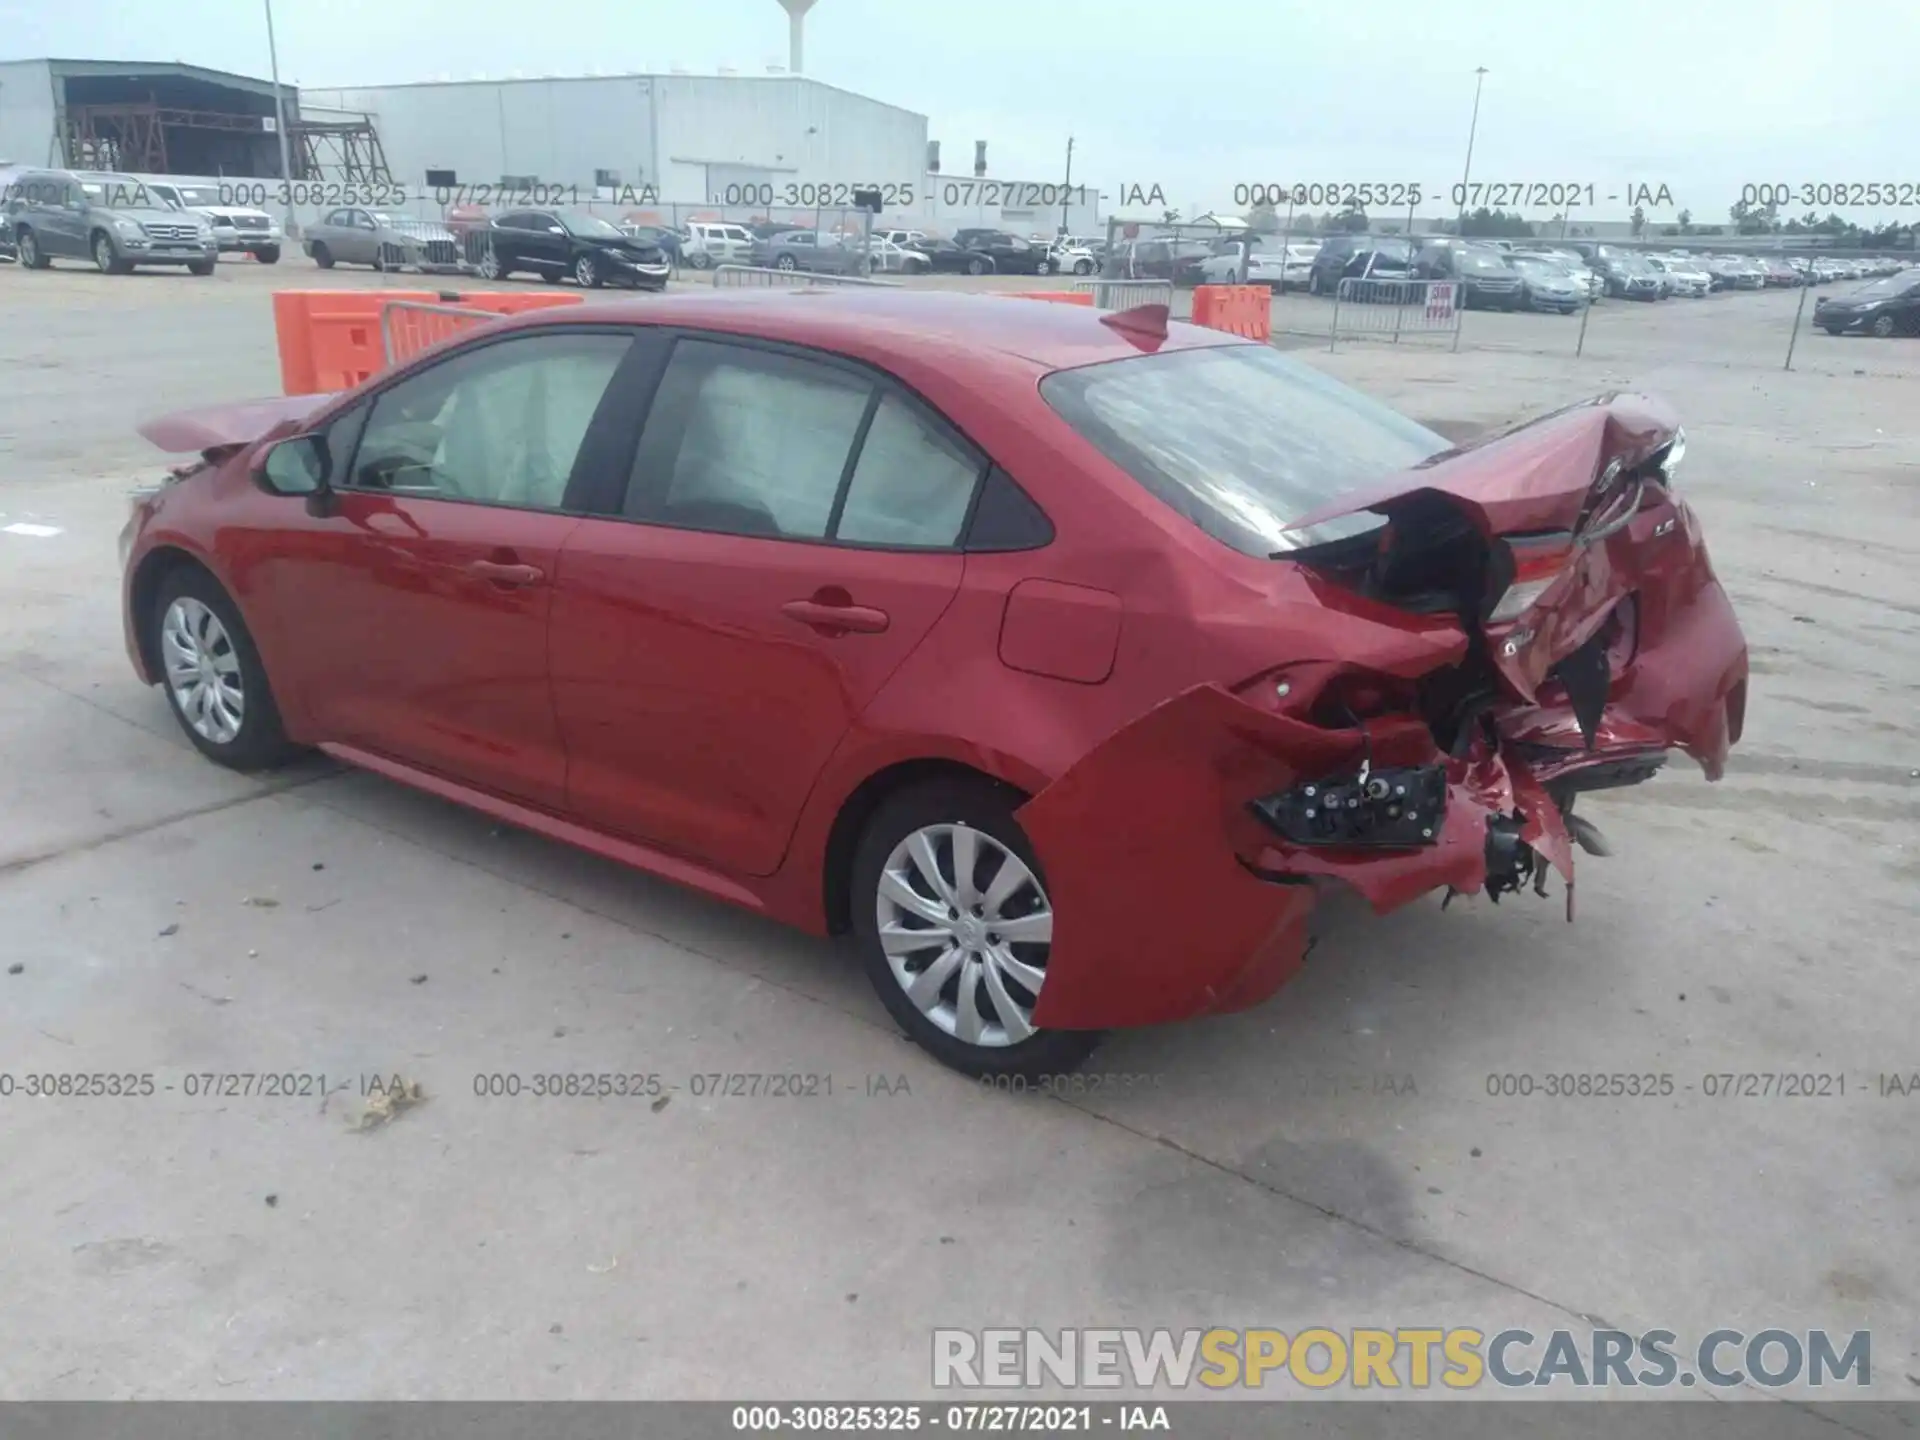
{"points": [[1058, 297], [330, 339], [1244, 310]]}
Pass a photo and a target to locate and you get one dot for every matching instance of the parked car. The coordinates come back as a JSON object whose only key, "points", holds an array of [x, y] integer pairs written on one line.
{"points": [[1487, 281], [711, 243], [384, 241], [1627, 276], [1269, 263], [1780, 274], [1887, 306], [822, 254], [664, 238], [7, 171], [906, 239], [826, 607], [1068, 257], [1573, 263], [953, 259], [1683, 276], [1177, 261], [110, 219], [1545, 285], [1011, 254], [1354, 257], [570, 244], [892, 259], [241, 229]]}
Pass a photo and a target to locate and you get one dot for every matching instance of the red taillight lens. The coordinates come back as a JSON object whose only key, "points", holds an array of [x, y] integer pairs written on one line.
{"points": [[1538, 561]]}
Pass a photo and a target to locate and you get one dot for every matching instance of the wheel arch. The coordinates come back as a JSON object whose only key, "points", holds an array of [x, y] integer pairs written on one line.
{"points": [[143, 589], [860, 806]]}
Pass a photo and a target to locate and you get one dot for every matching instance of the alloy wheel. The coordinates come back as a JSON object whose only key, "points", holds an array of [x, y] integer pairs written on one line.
{"points": [[103, 254], [29, 250], [966, 929], [489, 266], [1883, 327], [584, 272], [203, 670]]}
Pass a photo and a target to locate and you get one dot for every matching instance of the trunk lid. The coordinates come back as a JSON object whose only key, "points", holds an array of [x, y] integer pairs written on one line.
{"points": [[1555, 507]]}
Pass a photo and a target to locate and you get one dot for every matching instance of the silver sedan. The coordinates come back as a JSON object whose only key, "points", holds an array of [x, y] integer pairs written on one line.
{"points": [[383, 240]]}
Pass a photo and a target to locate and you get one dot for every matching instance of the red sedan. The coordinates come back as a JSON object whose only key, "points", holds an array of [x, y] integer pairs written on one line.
{"points": [[1057, 655]]}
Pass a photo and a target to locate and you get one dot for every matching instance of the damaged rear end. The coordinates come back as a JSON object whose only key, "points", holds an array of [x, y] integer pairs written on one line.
{"points": [[1519, 621]]}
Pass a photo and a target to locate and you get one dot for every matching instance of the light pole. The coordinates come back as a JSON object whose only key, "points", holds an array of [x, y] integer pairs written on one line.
{"points": [[1479, 79], [280, 118], [1066, 198]]}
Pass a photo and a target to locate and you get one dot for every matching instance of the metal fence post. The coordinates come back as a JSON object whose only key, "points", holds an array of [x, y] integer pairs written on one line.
{"points": [[1580, 345], [1459, 316], [1798, 311], [1399, 318], [1333, 330]]}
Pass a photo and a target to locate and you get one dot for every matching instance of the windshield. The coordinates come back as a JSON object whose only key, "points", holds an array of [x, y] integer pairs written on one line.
{"points": [[121, 195], [1480, 260], [590, 226], [197, 194], [1239, 439]]}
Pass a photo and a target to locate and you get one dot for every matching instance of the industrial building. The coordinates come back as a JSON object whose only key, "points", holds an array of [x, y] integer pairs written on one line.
{"points": [[693, 139], [125, 115], [680, 144]]}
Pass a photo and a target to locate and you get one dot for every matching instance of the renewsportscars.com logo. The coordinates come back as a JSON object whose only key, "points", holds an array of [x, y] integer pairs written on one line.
{"points": [[1459, 1358]]}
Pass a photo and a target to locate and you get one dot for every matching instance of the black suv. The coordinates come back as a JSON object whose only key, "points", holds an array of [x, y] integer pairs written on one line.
{"points": [[1487, 281], [1010, 254], [1354, 257]]}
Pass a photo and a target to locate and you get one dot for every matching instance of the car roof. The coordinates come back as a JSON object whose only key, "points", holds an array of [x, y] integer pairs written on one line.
{"points": [[895, 327]]}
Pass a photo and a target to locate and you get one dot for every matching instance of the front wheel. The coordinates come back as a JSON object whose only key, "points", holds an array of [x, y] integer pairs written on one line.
{"points": [[322, 256], [1883, 327], [1083, 267], [955, 930], [700, 260], [215, 683], [491, 269], [976, 267], [104, 258], [587, 272], [200, 267], [268, 254], [787, 263], [27, 246]]}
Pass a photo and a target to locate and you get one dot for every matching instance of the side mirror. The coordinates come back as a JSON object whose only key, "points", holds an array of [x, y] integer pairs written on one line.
{"points": [[296, 466]]}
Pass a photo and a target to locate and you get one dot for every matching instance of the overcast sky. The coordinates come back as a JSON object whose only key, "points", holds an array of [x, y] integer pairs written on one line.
{"points": [[1702, 96]]}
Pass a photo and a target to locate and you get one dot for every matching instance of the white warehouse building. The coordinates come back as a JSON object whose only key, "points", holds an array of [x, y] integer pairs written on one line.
{"points": [[689, 139]]}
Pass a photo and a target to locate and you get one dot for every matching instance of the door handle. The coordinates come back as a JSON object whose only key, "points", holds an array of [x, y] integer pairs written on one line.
{"points": [[502, 573], [836, 619]]}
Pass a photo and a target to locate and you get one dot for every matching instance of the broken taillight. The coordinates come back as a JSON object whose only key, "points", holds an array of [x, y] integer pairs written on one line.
{"points": [[1538, 561]]}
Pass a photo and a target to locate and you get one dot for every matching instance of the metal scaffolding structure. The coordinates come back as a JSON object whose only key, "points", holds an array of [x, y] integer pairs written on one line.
{"points": [[134, 137], [347, 150]]}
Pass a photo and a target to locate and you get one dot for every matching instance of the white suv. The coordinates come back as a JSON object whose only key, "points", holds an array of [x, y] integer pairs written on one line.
{"points": [[710, 243], [244, 228], [1068, 256]]}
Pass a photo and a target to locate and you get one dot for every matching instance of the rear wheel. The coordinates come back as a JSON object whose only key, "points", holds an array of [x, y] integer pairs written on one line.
{"points": [[32, 257], [955, 930], [215, 683]]}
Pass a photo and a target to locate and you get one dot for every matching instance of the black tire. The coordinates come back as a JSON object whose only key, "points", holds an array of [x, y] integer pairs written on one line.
{"points": [[976, 266], [491, 259], [200, 267], [587, 273], [32, 257], [1884, 327], [322, 256], [787, 263], [268, 254], [105, 258], [988, 808], [261, 742]]}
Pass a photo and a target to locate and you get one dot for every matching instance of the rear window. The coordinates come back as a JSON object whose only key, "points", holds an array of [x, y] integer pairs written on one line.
{"points": [[1240, 439]]}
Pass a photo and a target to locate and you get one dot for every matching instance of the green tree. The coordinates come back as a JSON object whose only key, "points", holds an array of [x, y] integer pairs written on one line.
{"points": [[1353, 219], [1262, 220], [1639, 222], [1686, 222]]}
